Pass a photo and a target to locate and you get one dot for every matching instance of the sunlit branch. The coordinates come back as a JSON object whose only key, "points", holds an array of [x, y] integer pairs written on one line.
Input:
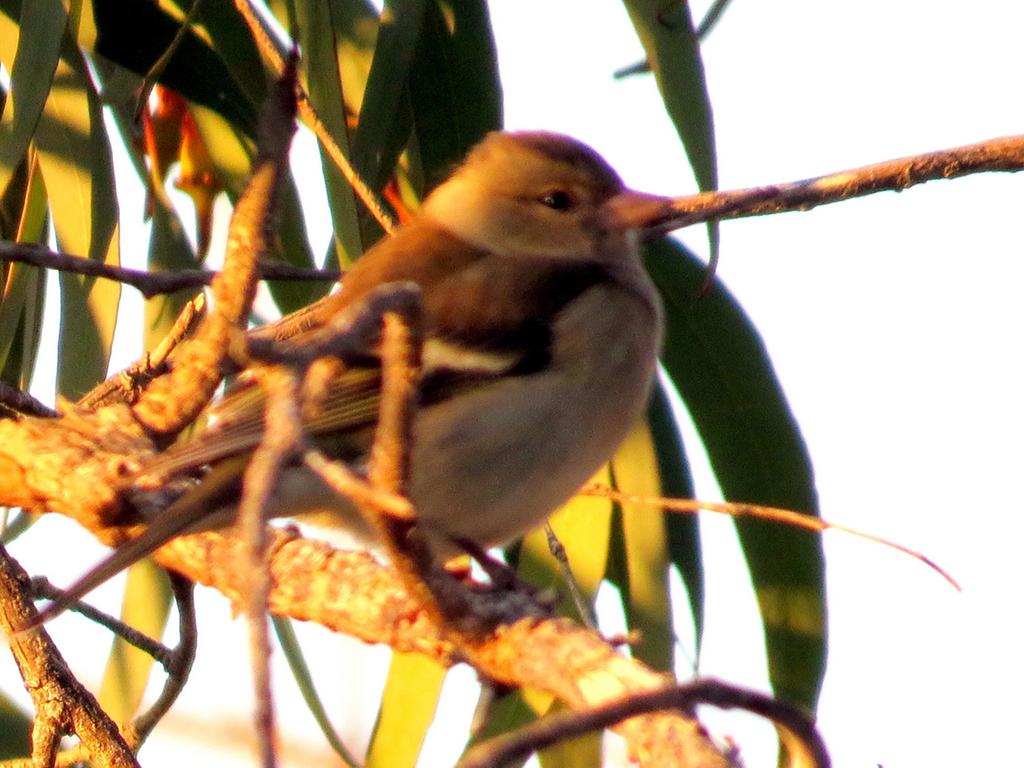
{"points": [[1002, 154]]}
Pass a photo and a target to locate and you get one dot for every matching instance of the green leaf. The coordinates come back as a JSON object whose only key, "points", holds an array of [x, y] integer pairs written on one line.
{"points": [[583, 527], [718, 363], [385, 117], [406, 712], [30, 50], [635, 470], [307, 687], [523, 706], [231, 156], [454, 85], [145, 606], [75, 159], [581, 752], [682, 531], [325, 84], [22, 287], [505, 713], [136, 34], [232, 42], [15, 730], [668, 36]]}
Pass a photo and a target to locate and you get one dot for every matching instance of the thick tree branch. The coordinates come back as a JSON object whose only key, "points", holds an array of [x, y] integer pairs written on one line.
{"points": [[62, 704], [351, 592]]}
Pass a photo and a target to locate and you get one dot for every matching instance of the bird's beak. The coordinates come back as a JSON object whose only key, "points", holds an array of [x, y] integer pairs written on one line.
{"points": [[631, 209]]}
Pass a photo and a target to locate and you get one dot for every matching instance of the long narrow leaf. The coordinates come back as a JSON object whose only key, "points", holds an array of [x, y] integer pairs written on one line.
{"points": [[30, 50], [669, 38], [454, 85], [74, 155], [196, 71], [717, 361], [682, 531], [384, 117], [326, 90], [292, 650], [145, 606], [15, 730], [645, 546], [406, 712]]}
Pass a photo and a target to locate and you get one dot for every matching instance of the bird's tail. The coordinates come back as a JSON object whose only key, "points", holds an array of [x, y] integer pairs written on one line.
{"points": [[206, 506]]}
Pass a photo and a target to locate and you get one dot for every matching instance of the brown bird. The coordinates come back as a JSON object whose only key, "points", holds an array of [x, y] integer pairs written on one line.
{"points": [[542, 331]]}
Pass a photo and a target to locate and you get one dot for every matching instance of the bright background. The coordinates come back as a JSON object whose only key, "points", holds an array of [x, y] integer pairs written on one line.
{"points": [[894, 325]]}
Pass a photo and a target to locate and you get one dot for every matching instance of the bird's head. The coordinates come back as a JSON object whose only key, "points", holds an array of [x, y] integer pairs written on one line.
{"points": [[541, 194]]}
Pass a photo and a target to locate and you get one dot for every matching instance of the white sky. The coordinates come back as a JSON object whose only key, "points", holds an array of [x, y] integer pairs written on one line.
{"points": [[894, 323]]}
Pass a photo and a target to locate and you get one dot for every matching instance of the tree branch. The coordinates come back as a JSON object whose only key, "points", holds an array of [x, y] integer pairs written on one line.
{"points": [[1002, 154], [802, 739], [149, 284], [61, 702], [351, 592]]}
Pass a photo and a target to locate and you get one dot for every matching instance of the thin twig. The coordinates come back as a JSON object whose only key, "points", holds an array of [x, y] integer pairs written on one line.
{"points": [[761, 512], [178, 665], [585, 610], [561, 726], [149, 284], [309, 116], [153, 75], [42, 589], [281, 437], [126, 385]]}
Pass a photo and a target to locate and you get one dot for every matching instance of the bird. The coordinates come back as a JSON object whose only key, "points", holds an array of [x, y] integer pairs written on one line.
{"points": [[542, 331]]}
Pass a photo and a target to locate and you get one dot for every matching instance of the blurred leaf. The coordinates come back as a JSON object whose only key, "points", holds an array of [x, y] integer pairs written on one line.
{"points": [[293, 248], [232, 42], [385, 117], [307, 687], [454, 85], [506, 713], [145, 606], [23, 209], [136, 34], [75, 159], [232, 161], [682, 531], [406, 711], [717, 361], [645, 598], [29, 50], [581, 752], [324, 51], [583, 527], [15, 730], [516, 708]]}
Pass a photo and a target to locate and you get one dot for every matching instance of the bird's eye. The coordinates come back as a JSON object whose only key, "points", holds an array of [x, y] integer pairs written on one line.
{"points": [[557, 200]]}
